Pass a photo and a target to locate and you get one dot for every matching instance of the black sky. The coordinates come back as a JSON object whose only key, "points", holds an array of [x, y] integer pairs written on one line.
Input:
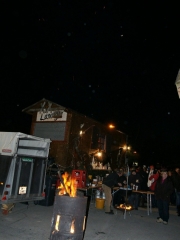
{"points": [[115, 61]]}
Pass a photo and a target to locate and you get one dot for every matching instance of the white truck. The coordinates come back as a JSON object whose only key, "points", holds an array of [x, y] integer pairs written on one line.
{"points": [[23, 160]]}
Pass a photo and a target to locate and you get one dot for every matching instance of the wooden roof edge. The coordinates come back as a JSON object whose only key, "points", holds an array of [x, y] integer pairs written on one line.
{"points": [[98, 122], [43, 99], [69, 110]]}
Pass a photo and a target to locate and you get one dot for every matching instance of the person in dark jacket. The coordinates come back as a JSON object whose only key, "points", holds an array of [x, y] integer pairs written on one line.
{"points": [[176, 183], [163, 190], [173, 195], [135, 182], [108, 182], [144, 175], [118, 197]]}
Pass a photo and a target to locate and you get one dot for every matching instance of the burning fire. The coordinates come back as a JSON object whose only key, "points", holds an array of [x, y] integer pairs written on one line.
{"points": [[70, 185], [124, 206], [72, 226], [57, 223]]}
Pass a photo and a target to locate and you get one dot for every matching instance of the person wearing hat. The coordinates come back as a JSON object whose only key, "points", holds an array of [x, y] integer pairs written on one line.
{"points": [[108, 182], [163, 190]]}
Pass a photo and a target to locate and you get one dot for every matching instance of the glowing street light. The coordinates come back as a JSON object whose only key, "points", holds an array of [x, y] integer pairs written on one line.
{"points": [[99, 154], [126, 147], [81, 132], [111, 126]]}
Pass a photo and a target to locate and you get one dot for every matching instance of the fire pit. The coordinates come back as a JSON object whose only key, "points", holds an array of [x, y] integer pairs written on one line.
{"points": [[69, 214], [125, 207], [69, 218], [125, 192]]}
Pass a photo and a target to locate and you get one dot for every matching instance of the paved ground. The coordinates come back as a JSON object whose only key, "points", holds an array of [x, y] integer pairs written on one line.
{"points": [[138, 226], [34, 223]]}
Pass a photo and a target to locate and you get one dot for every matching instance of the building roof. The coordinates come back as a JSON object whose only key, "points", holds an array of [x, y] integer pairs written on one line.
{"points": [[47, 105], [43, 104]]}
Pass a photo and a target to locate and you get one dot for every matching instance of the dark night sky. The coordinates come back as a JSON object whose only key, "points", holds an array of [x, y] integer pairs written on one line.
{"points": [[115, 61]]}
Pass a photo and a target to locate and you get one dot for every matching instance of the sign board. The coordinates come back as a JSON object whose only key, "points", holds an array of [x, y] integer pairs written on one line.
{"points": [[58, 115], [27, 159], [22, 190]]}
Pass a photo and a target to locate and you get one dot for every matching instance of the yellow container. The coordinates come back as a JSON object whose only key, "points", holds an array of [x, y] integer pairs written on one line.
{"points": [[90, 177], [100, 203]]}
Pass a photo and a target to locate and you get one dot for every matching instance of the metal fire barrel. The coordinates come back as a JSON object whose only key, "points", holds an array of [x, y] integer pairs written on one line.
{"points": [[69, 218]]}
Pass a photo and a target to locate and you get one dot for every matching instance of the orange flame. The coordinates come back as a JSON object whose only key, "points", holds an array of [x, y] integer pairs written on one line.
{"points": [[70, 184], [72, 230], [73, 187]]}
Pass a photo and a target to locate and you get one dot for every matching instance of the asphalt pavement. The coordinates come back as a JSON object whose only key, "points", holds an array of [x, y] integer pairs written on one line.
{"points": [[33, 222]]}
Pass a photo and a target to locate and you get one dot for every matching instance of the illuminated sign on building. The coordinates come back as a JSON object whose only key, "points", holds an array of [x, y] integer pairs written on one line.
{"points": [[58, 115]]}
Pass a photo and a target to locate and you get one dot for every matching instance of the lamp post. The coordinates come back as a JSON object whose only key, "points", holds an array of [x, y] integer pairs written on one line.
{"points": [[111, 126], [125, 148], [127, 167], [84, 131], [118, 148], [77, 154]]}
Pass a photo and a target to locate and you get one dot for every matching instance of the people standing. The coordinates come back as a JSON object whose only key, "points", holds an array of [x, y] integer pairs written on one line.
{"points": [[163, 190], [176, 183], [134, 181], [108, 182], [153, 176], [118, 197], [173, 195], [144, 175]]}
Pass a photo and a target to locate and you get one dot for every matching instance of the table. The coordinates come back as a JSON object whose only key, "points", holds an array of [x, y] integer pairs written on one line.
{"points": [[149, 200], [89, 188], [148, 193], [115, 189]]}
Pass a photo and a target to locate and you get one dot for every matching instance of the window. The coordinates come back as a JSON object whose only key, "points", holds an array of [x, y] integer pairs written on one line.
{"points": [[54, 131]]}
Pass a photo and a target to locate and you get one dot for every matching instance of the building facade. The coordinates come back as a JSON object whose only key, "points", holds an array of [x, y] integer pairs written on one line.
{"points": [[77, 140]]}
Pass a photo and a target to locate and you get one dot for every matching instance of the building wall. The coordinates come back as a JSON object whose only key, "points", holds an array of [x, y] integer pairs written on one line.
{"points": [[74, 145], [59, 150]]}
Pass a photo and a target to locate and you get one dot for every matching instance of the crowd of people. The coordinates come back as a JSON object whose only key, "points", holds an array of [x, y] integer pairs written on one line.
{"points": [[163, 183]]}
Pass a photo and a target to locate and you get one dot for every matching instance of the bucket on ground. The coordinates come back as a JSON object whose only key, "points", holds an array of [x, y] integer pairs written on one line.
{"points": [[100, 203]]}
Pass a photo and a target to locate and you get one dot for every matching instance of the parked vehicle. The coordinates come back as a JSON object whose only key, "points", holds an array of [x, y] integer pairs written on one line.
{"points": [[23, 160]]}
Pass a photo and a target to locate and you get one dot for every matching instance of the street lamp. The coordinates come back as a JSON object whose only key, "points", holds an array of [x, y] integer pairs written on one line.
{"points": [[84, 131], [99, 154], [126, 147], [111, 126], [114, 130]]}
